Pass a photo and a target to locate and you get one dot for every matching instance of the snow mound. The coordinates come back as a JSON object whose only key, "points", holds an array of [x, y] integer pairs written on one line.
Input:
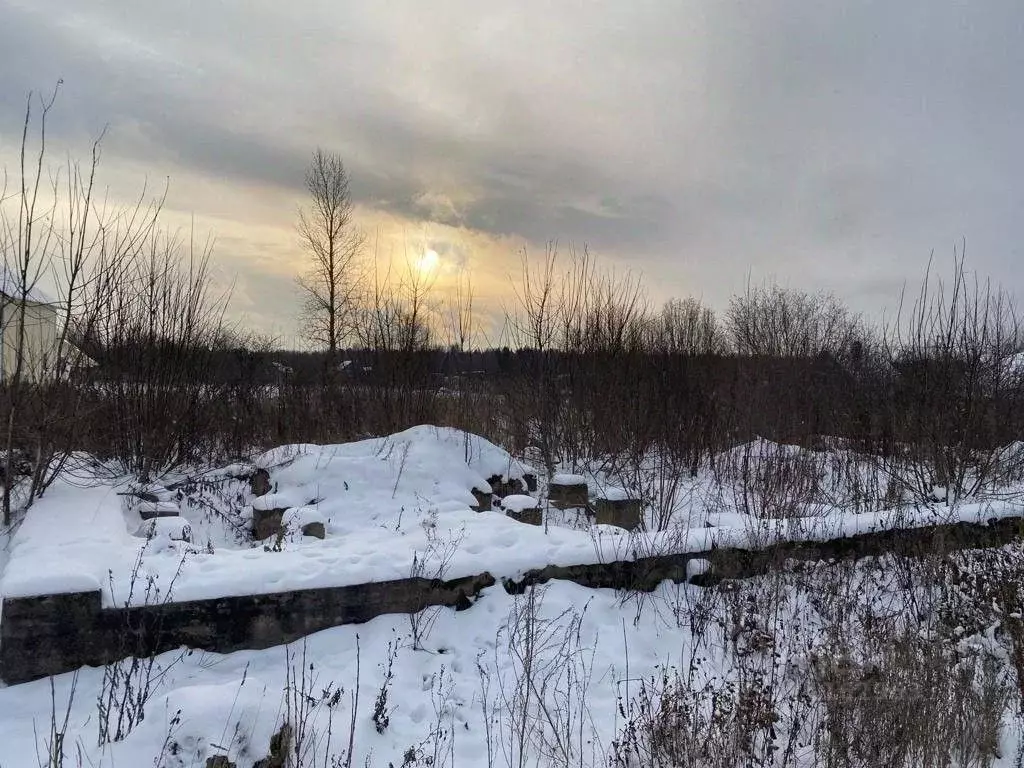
{"points": [[299, 517], [381, 501]]}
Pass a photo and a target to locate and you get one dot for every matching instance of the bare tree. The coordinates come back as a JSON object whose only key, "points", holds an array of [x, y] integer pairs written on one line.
{"points": [[458, 320], [687, 327], [330, 288], [958, 390], [395, 314], [778, 322], [64, 252], [156, 341], [536, 323]]}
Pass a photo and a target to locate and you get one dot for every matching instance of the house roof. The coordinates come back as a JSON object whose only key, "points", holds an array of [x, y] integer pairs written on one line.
{"points": [[10, 286]]}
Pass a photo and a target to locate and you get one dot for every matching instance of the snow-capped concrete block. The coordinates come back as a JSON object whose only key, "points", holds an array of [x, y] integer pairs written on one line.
{"points": [[524, 509], [519, 503], [618, 507], [568, 491], [273, 501]]}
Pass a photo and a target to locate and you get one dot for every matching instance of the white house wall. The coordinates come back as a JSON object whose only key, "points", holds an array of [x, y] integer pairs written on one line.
{"points": [[39, 350]]}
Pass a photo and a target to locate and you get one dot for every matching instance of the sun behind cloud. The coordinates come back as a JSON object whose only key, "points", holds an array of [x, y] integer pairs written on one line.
{"points": [[428, 262]]}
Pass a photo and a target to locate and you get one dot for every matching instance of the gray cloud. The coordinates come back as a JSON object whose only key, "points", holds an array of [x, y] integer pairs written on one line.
{"points": [[829, 145]]}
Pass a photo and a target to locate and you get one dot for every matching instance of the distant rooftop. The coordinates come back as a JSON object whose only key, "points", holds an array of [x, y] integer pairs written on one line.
{"points": [[10, 286]]}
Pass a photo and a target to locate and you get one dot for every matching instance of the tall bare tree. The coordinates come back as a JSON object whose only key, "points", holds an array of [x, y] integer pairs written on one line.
{"points": [[330, 287]]}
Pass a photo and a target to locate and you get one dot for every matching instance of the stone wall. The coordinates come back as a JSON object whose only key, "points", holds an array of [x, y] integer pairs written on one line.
{"points": [[645, 574], [51, 634], [41, 636]]}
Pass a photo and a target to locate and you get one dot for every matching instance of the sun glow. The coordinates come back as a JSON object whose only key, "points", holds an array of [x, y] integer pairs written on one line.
{"points": [[427, 263]]}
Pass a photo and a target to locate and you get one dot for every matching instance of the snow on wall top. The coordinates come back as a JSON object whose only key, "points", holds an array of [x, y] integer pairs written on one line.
{"points": [[64, 541], [566, 479], [615, 493]]}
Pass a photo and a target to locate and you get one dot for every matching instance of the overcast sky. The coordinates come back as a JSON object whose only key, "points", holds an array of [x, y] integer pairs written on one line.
{"points": [[829, 145]]}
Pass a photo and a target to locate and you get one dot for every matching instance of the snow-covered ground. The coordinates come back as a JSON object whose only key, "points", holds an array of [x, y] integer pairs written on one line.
{"points": [[559, 676], [554, 677], [385, 503], [232, 704]]}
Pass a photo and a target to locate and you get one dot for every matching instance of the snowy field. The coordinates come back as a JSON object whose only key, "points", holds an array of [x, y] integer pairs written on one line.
{"points": [[234, 703], [554, 677], [752, 673]]}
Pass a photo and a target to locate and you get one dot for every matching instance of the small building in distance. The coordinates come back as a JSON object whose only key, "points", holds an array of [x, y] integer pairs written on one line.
{"points": [[35, 317]]}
